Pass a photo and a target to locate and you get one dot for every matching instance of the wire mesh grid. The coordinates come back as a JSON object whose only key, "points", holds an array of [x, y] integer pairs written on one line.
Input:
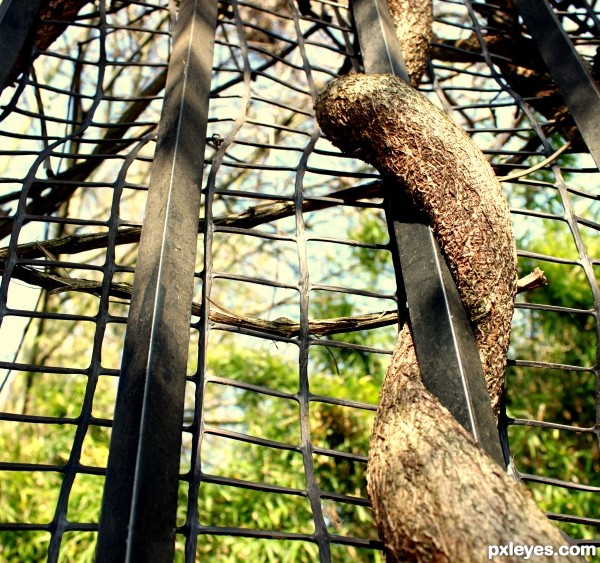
{"points": [[294, 311], [77, 142]]}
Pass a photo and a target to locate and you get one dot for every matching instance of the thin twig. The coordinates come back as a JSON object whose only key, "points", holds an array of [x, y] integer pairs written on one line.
{"points": [[322, 327], [54, 283], [537, 166], [531, 281]]}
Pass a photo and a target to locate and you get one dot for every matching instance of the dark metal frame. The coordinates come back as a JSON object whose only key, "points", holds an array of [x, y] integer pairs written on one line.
{"points": [[140, 494], [578, 88], [140, 502], [16, 25]]}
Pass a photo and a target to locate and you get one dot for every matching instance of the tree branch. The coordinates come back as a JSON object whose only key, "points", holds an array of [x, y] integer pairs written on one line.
{"points": [[252, 217], [55, 283]]}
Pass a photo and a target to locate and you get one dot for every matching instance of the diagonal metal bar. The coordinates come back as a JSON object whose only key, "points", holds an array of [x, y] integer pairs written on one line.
{"points": [[444, 342], [140, 497], [567, 68], [448, 356]]}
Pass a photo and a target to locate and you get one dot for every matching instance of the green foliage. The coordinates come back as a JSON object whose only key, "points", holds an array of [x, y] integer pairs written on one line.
{"points": [[265, 416], [24, 546], [223, 549], [32, 496], [564, 396]]}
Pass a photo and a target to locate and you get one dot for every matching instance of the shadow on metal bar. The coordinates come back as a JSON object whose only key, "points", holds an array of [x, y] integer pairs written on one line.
{"points": [[17, 21], [444, 342], [567, 68], [140, 496]]}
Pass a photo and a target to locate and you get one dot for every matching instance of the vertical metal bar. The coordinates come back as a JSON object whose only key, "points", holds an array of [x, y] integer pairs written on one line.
{"points": [[567, 68], [444, 342], [383, 55], [17, 20], [140, 495]]}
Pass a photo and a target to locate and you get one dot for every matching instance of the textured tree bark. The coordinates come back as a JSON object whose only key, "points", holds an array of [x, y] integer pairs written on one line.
{"points": [[416, 147], [413, 20], [436, 495]]}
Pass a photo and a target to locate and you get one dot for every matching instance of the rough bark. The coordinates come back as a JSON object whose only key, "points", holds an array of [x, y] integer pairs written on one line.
{"points": [[413, 20], [418, 148], [436, 496]]}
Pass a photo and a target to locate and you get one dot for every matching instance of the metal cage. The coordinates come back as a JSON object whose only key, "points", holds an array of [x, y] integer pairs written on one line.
{"points": [[219, 406]]}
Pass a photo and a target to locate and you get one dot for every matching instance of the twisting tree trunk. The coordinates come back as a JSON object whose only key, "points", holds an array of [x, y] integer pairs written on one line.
{"points": [[416, 146], [436, 495]]}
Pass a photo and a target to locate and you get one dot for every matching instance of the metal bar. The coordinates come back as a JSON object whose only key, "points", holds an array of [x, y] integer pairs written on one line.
{"points": [[567, 68], [140, 496], [383, 53], [444, 342], [17, 20]]}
